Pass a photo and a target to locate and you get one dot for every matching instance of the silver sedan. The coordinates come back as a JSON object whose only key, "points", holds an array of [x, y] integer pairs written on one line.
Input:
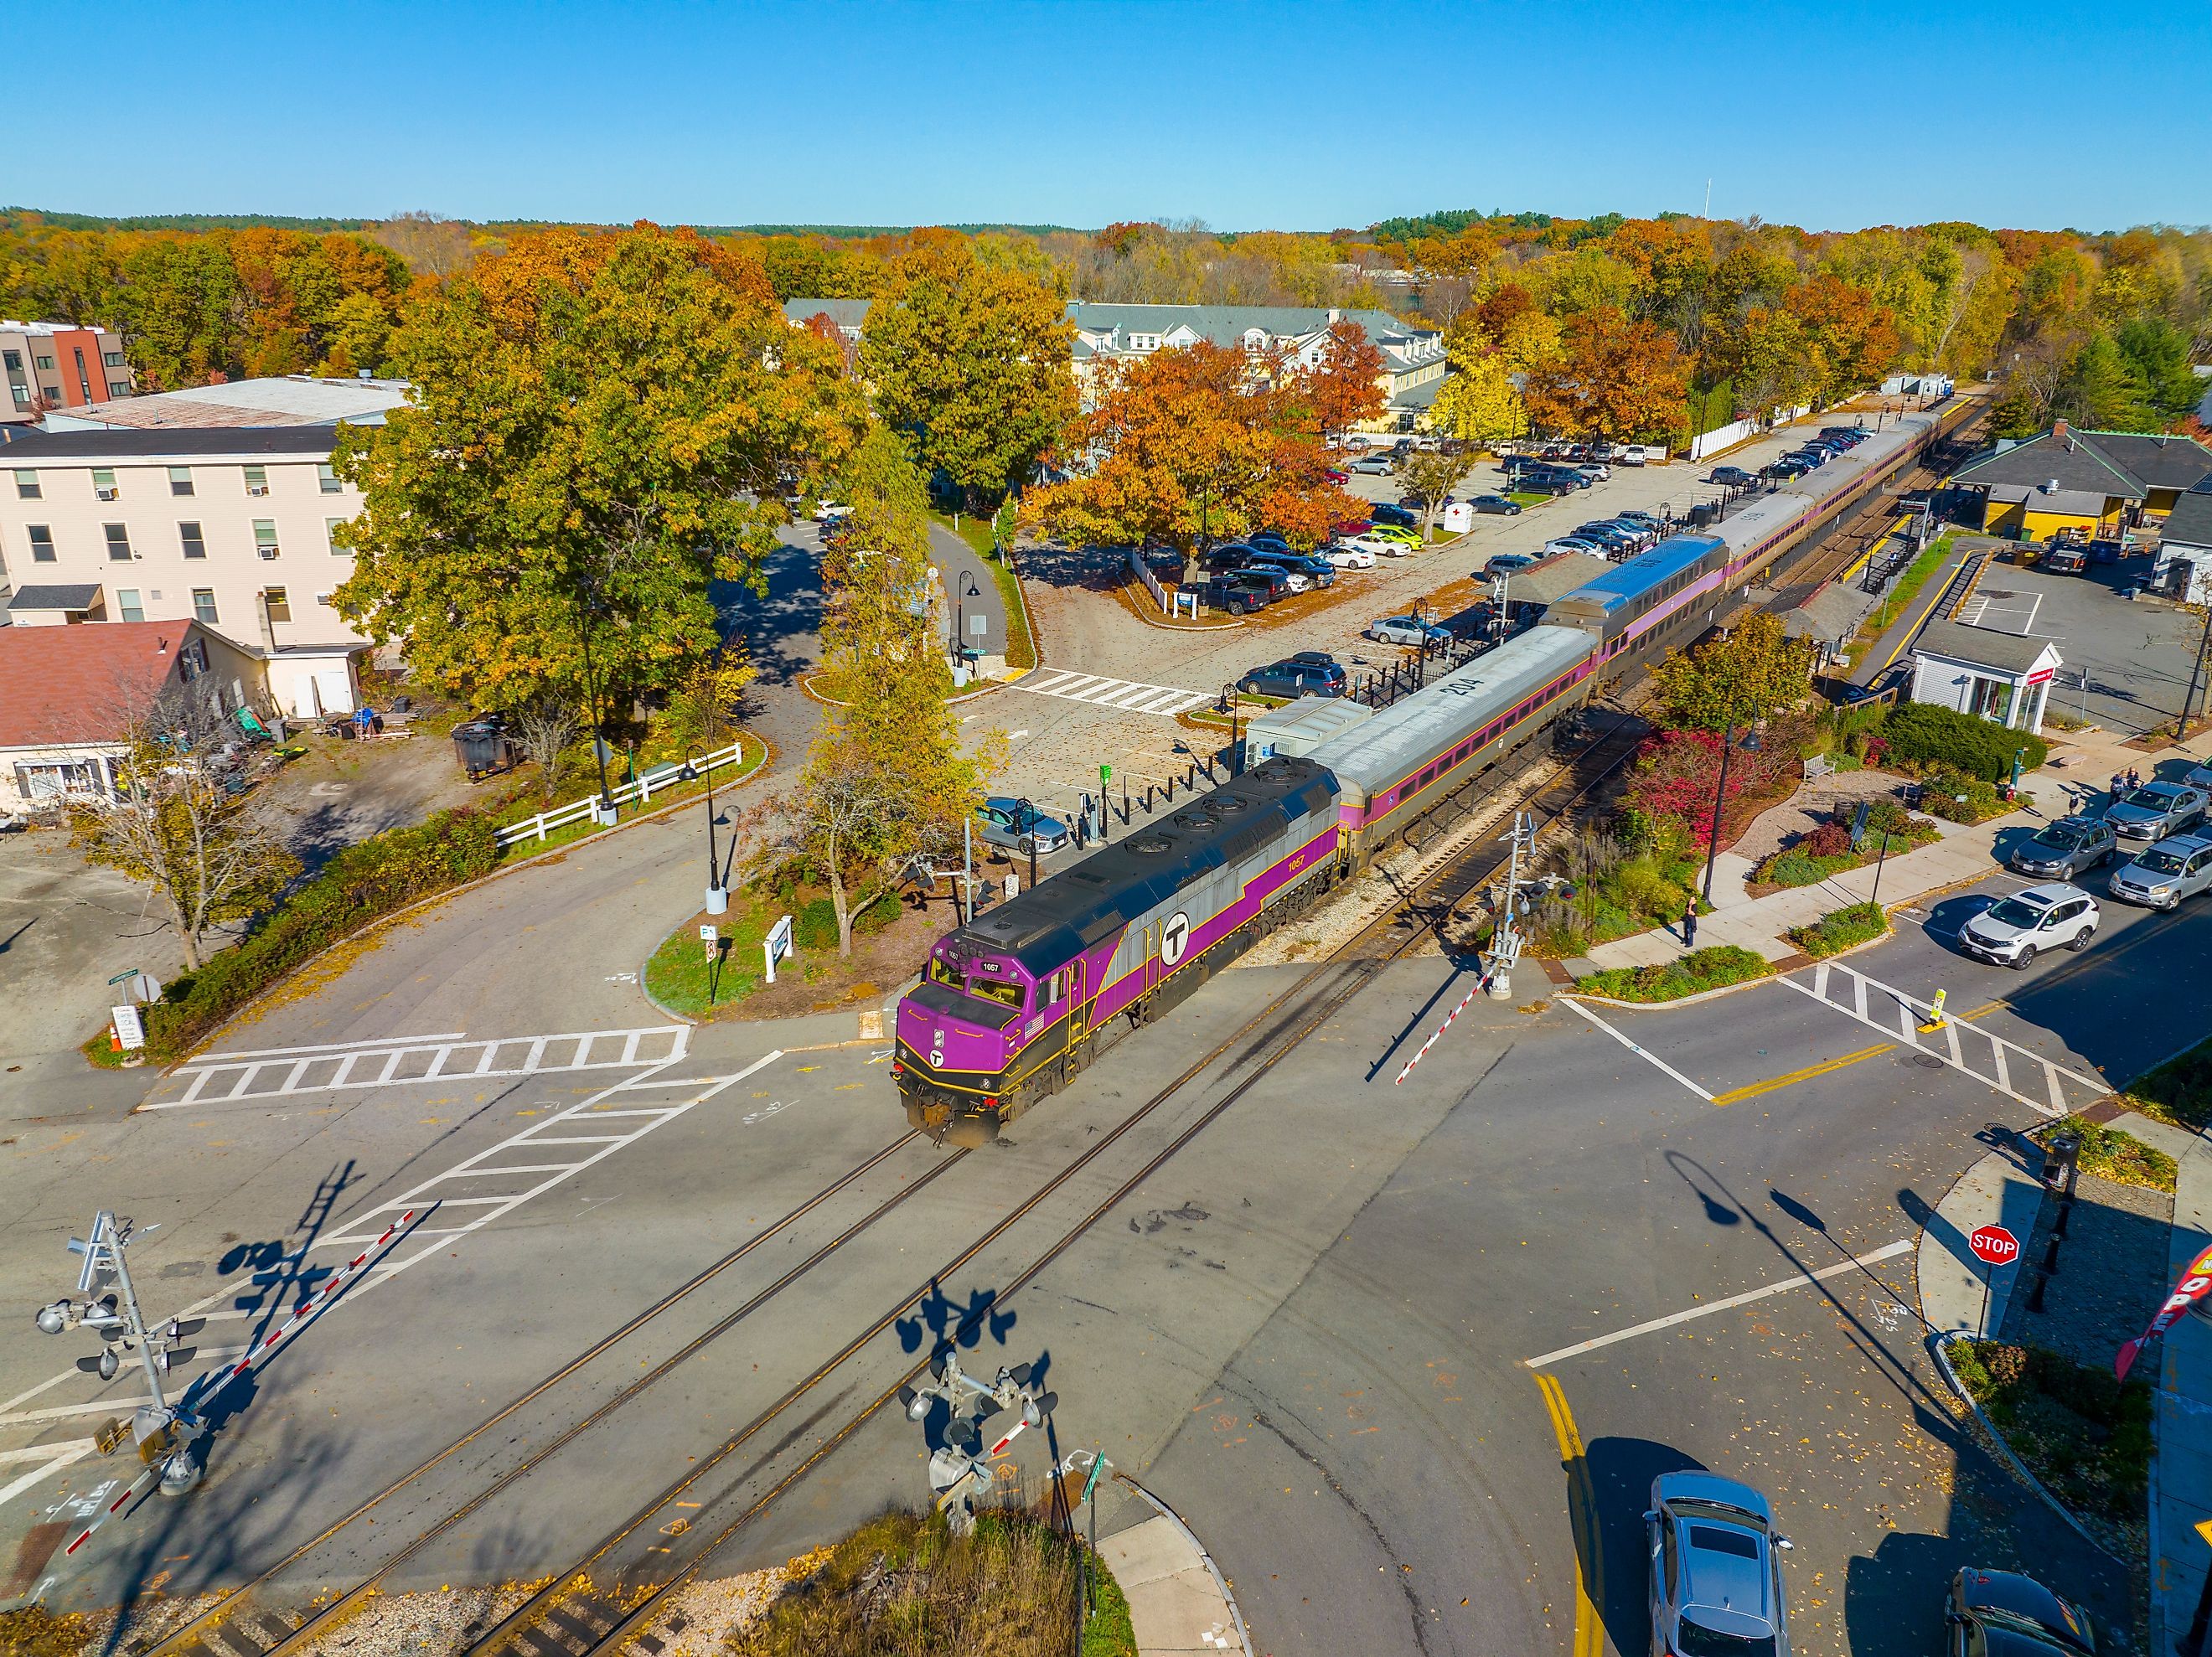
{"points": [[2163, 875]]}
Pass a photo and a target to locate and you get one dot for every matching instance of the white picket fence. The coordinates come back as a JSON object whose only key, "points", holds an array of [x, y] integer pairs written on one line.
{"points": [[1143, 572], [638, 793]]}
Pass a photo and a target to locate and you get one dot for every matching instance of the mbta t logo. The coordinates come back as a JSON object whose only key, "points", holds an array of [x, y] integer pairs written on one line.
{"points": [[1174, 937]]}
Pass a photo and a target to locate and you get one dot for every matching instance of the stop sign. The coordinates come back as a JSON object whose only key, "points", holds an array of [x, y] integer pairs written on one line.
{"points": [[1994, 1244]]}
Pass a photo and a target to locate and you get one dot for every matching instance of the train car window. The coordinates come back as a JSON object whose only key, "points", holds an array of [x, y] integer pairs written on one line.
{"points": [[992, 989], [1465, 748]]}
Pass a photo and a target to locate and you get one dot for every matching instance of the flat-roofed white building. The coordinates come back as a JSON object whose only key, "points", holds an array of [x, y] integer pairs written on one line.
{"points": [[233, 528], [278, 400]]}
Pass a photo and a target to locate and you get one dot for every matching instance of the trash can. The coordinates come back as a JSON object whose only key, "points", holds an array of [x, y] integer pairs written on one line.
{"points": [[480, 748]]}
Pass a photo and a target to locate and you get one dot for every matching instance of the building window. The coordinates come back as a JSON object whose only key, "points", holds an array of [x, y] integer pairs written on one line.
{"points": [[44, 361], [118, 541], [51, 393], [279, 602], [256, 479], [203, 606], [103, 484], [42, 544], [22, 396], [14, 359], [180, 480], [265, 537], [192, 659], [195, 547], [113, 359], [330, 528], [127, 604], [27, 486], [118, 388], [327, 475]]}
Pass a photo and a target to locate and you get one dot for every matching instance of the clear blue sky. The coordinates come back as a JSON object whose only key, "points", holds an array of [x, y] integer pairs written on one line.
{"points": [[1295, 116]]}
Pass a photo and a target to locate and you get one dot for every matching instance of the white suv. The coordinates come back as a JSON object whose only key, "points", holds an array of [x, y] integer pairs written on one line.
{"points": [[2013, 931]]}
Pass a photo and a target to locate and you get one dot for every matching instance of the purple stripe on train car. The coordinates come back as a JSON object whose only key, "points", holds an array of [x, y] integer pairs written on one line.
{"points": [[1117, 997]]}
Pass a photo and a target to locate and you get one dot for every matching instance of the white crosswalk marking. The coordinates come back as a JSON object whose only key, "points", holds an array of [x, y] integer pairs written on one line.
{"points": [[1968, 1048], [277, 1073], [1125, 695]]}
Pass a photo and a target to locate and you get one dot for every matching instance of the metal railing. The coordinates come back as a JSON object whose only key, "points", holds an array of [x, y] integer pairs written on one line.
{"points": [[638, 792]]}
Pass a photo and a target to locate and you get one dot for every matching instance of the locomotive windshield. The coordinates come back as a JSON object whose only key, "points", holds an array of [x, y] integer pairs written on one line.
{"points": [[971, 977]]}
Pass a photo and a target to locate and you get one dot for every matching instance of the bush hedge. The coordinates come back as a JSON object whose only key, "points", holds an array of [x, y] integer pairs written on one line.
{"points": [[2085, 1434], [1839, 929], [361, 883], [1921, 733], [1692, 974]]}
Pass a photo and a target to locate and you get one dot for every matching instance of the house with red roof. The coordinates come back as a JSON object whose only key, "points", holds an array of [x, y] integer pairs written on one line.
{"points": [[69, 697]]}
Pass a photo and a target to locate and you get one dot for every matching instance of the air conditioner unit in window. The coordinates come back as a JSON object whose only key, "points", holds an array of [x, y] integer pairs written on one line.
{"points": [[323, 599], [268, 550]]}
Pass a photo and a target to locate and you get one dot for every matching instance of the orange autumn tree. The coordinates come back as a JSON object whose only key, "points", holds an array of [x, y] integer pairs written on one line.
{"points": [[1344, 387], [1189, 448], [1616, 379]]}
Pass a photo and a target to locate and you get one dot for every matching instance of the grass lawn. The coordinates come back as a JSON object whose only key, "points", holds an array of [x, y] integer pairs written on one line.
{"points": [[2114, 1154], [2179, 1091], [1524, 499]]}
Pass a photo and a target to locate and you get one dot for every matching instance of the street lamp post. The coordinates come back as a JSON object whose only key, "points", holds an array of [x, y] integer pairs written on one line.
{"points": [[695, 768], [967, 590], [1025, 820], [1230, 706], [1720, 800]]}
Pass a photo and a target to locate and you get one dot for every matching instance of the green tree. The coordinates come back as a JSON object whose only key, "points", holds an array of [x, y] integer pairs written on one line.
{"points": [[2101, 391], [970, 359], [1754, 671], [599, 427], [1431, 475], [1478, 402]]}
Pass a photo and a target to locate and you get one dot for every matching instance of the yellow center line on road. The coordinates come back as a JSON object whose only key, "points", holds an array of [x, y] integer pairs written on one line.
{"points": [[1582, 1516], [1752, 1089]]}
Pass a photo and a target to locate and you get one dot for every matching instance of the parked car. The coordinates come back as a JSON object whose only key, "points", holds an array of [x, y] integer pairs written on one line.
{"points": [[1716, 1583], [1008, 823], [1376, 545], [1293, 679], [2161, 876], [1230, 554], [1318, 572], [1505, 563], [1549, 483], [1237, 595], [1644, 518], [2001, 1613], [1575, 475], [2200, 777], [1399, 532], [1274, 538], [1495, 503], [1576, 543], [1407, 630], [1733, 478], [1811, 459], [1345, 554], [2157, 810], [2013, 931], [1335, 475], [1383, 512], [1784, 471], [1596, 471], [2063, 849], [1611, 535], [1379, 465], [1851, 434]]}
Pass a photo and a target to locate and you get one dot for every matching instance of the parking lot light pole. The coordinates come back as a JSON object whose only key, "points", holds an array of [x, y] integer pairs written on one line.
{"points": [[1720, 799], [694, 769], [1231, 705], [1025, 817]]}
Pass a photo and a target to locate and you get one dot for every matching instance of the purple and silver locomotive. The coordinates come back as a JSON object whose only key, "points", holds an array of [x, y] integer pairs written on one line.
{"points": [[1016, 1003]]}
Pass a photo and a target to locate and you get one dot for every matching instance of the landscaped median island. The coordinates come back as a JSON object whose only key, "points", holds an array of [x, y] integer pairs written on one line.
{"points": [[2085, 1435], [1694, 973], [1841, 929], [2114, 1154], [728, 978], [1827, 849]]}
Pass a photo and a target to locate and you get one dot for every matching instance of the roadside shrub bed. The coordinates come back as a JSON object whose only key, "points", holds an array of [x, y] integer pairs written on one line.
{"points": [[1639, 875], [2114, 1154], [361, 883], [1827, 849], [1839, 929], [903, 1583], [1942, 792], [1706, 969], [2084, 1435], [1926, 735], [2179, 1091]]}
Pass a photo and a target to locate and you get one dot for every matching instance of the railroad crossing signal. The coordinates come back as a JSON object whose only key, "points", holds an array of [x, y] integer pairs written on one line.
{"points": [[960, 1468]]}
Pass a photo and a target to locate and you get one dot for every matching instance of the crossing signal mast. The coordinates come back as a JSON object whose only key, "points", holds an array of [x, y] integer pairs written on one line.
{"points": [[959, 1468], [1506, 939], [165, 1434]]}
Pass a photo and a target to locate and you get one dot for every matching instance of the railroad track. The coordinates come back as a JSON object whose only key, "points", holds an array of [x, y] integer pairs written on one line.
{"points": [[614, 1596]]}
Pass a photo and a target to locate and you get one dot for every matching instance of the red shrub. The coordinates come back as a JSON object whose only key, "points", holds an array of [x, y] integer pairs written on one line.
{"points": [[1830, 840]]}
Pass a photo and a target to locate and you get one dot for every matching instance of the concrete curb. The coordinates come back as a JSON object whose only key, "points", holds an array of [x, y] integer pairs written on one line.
{"points": [[1937, 1345], [1201, 1557], [369, 928]]}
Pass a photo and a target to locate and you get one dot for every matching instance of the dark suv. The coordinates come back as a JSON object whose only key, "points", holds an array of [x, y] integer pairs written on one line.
{"points": [[1293, 679]]}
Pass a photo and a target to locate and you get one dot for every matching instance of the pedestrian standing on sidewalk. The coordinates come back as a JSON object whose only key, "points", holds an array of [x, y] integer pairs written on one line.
{"points": [[2119, 785], [2134, 781], [1689, 924]]}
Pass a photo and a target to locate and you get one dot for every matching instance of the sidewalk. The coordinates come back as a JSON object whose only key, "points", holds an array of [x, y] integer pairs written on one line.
{"points": [[1178, 1600], [2181, 1477], [2075, 781]]}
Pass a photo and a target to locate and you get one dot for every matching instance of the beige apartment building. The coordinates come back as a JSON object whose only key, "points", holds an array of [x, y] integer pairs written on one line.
{"points": [[231, 527]]}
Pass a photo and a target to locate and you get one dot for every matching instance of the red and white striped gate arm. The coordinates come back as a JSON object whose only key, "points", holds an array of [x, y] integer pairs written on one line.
{"points": [[1440, 1030], [315, 1302], [262, 1348]]}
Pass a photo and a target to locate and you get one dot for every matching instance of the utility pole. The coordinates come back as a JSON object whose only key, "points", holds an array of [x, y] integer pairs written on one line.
{"points": [[2196, 668]]}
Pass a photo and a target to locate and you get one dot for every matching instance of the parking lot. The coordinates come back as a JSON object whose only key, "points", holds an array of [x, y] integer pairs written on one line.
{"points": [[1105, 692], [2125, 662]]}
